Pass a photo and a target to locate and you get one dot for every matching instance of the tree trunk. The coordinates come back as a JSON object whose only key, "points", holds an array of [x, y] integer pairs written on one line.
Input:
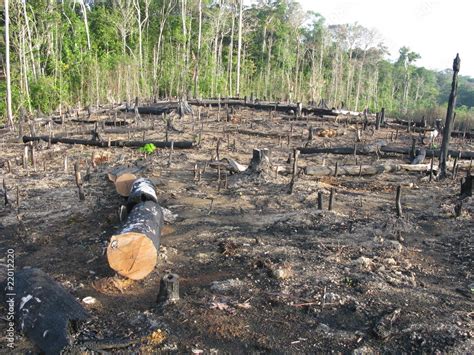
{"points": [[198, 58], [7, 65], [448, 127], [239, 48], [44, 311], [133, 250]]}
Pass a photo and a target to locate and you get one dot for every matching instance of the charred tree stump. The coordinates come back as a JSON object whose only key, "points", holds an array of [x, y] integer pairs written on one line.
{"points": [[420, 157], [382, 116], [133, 250], [431, 168], [169, 290], [331, 198], [320, 200], [413, 148], [398, 202], [261, 160], [377, 121], [296, 154], [443, 157], [44, 311], [466, 186], [79, 184], [5, 193]]}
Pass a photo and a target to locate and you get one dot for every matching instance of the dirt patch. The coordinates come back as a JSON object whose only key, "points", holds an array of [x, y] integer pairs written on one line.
{"points": [[355, 279]]}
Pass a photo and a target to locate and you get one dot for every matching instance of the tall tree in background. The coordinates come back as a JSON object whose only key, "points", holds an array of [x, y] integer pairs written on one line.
{"points": [[81, 52], [239, 48], [7, 65]]}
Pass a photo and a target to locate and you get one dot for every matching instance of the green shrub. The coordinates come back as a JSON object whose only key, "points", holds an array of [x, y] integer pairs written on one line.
{"points": [[147, 148]]}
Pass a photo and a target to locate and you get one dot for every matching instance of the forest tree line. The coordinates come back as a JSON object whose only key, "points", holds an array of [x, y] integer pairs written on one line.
{"points": [[69, 53]]}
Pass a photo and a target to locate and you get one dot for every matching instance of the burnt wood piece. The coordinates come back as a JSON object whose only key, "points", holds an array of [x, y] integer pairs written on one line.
{"points": [[258, 133], [275, 106], [133, 249], [350, 170], [45, 312], [466, 186], [141, 190], [261, 160], [169, 290], [116, 143], [369, 150], [448, 127], [85, 121], [420, 156], [398, 202], [468, 134], [167, 107]]}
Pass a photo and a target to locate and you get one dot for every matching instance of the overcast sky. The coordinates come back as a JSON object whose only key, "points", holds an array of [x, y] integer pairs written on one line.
{"points": [[436, 29]]}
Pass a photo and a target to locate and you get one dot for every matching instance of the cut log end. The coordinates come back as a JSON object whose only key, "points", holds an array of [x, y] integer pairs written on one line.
{"points": [[132, 255], [123, 184]]}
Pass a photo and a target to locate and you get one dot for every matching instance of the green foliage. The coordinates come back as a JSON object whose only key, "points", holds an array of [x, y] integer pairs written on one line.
{"points": [[45, 94], [148, 148], [286, 55]]}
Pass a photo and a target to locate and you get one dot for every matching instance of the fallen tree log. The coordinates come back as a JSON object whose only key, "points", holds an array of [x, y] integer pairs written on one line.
{"points": [[43, 310], [115, 143], [123, 179], [141, 190], [455, 134], [258, 134], [350, 170], [366, 170], [133, 250], [270, 106], [114, 123], [372, 149]]}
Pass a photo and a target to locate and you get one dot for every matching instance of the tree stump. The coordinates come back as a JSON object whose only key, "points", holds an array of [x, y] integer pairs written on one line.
{"points": [[398, 202], [466, 186], [169, 290], [261, 161]]}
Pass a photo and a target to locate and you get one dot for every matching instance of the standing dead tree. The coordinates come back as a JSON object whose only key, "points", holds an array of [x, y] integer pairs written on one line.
{"points": [[448, 127]]}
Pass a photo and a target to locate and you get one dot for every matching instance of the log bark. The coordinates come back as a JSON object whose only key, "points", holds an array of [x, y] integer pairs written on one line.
{"points": [[115, 143], [44, 311], [133, 250], [141, 190]]}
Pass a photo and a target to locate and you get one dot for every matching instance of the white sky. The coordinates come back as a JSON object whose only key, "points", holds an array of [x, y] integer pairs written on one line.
{"points": [[436, 29]]}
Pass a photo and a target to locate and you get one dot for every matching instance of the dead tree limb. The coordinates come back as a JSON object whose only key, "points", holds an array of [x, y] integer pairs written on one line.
{"points": [[443, 154], [116, 143]]}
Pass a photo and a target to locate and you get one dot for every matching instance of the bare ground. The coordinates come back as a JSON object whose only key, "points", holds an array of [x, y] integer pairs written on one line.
{"points": [[260, 270]]}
